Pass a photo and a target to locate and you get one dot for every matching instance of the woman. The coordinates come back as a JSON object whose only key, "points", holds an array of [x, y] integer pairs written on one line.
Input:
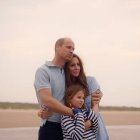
{"points": [[74, 74]]}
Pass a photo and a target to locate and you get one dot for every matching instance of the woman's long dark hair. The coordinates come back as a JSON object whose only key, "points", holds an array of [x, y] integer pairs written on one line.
{"points": [[81, 79]]}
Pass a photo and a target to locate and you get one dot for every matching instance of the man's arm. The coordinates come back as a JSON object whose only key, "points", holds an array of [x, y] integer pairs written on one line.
{"points": [[53, 104]]}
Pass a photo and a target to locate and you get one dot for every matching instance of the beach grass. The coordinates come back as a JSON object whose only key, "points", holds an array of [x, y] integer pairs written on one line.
{"points": [[17, 105]]}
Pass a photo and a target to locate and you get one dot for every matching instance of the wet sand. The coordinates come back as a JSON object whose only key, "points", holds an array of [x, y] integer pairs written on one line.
{"points": [[127, 132], [28, 118]]}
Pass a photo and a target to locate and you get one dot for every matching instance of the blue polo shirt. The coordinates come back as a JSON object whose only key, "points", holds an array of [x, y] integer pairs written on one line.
{"points": [[51, 77]]}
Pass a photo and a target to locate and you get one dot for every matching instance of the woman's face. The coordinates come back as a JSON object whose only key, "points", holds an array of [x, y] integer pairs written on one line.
{"points": [[74, 67], [77, 100]]}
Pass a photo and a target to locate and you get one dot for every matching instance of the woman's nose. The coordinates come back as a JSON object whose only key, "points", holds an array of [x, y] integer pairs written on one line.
{"points": [[76, 67]]}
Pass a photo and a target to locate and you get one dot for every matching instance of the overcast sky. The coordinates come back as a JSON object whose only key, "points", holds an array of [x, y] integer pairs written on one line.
{"points": [[106, 35]]}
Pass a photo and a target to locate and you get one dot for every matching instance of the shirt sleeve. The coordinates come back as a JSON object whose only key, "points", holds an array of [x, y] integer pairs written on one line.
{"points": [[42, 79], [92, 87], [93, 118], [74, 127], [92, 84]]}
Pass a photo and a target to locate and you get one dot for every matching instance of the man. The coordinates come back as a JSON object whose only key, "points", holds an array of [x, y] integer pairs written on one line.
{"points": [[50, 89]]}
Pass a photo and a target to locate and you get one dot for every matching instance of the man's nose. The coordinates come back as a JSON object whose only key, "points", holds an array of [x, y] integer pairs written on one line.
{"points": [[71, 50]]}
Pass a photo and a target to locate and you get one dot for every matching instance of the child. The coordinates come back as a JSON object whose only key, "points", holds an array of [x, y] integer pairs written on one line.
{"points": [[73, 127]]}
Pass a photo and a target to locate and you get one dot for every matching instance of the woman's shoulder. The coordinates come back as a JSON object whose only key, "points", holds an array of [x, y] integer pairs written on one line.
{"points": [[92, 84], [91, 79]]}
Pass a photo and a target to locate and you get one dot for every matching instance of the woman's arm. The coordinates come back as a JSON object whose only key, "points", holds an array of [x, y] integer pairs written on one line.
{"points": [[96, 97]]}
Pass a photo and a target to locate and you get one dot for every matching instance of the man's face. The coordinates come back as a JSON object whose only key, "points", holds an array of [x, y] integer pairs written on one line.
{"points": [[65, 51]]}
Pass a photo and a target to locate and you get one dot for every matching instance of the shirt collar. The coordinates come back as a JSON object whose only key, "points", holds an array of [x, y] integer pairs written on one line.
{"points": [[50, 64]]}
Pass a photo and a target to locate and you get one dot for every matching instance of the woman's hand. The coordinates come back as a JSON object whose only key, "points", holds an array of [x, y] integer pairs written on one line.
{"points": [[44, 114], [96, 97]]}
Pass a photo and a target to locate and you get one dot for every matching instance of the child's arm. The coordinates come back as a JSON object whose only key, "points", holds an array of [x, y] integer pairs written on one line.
{"points": [[74, 126]]}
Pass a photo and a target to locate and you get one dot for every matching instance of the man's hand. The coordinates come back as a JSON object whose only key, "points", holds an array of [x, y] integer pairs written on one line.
{"points": [[76, 110], [44, 114], [96, 97]]}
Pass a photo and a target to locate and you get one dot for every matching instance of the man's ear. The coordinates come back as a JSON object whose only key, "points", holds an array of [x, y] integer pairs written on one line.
{"points": [[57, 47]]}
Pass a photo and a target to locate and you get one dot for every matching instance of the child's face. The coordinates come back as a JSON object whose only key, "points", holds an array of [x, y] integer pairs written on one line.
{"points": [[77, 100]]}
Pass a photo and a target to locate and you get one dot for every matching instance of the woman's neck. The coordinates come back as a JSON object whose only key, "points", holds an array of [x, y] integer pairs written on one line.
{"points": [[74, 79]]}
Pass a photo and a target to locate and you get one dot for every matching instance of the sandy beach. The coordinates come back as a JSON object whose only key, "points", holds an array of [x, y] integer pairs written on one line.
{"points": [[10, 118], [24, 124]]}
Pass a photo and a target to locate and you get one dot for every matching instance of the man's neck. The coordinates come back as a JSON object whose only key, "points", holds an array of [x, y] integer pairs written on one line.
{"points": [[58, 62]]}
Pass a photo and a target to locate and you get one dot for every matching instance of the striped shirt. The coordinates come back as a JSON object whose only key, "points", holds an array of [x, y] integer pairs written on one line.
{"points": [[74, 129]]}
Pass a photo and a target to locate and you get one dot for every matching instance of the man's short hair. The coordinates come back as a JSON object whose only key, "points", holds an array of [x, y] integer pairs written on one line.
{"points": [[59, 42]]}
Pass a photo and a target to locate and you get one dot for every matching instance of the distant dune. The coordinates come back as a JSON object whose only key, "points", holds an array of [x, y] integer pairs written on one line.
{"points": [[16, 105]]}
